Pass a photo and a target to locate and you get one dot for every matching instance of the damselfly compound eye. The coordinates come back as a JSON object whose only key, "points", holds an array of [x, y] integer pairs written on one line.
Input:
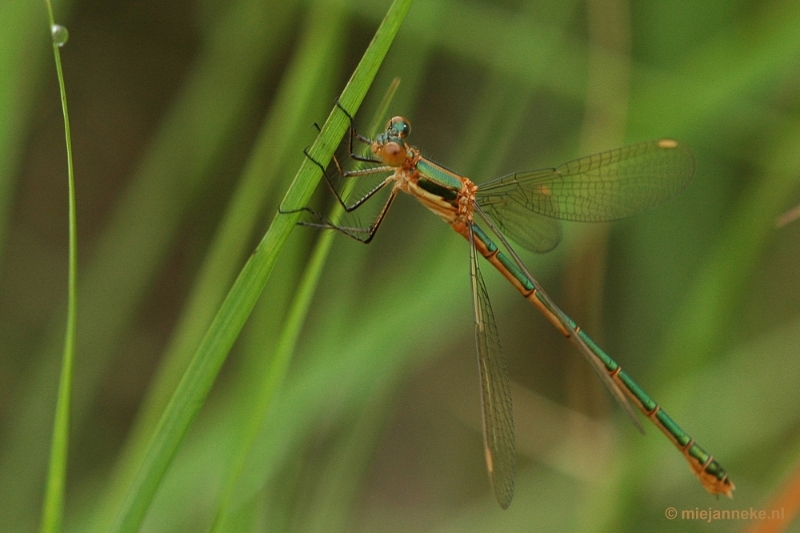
{"points": [[398, 127]]}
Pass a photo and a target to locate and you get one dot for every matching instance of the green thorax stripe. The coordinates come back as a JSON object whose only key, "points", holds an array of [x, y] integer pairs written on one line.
{"points": [[438, 175]]}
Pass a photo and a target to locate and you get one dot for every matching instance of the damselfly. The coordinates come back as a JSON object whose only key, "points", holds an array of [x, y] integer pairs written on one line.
{"points": [[526, 207]]}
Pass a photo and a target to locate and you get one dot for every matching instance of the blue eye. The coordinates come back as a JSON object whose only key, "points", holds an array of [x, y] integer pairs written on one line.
{"points": [[398, 127]]}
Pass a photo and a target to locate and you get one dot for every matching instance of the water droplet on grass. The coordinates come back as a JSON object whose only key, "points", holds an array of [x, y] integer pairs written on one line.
{"points": [[59, 34]]}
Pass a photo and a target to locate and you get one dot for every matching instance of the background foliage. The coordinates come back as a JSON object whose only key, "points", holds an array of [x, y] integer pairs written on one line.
{"points": [[182, 110]]}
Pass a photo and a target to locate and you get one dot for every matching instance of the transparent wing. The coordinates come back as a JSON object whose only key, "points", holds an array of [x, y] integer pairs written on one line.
{"points": [[587, 348], [596, 188], [527, 228], [498, 421]]}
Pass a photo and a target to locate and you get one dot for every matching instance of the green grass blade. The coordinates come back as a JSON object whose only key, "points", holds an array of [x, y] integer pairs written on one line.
{"points": [[53, 509], [205, 365], [190, 138], [288, 119], [279, 365]]}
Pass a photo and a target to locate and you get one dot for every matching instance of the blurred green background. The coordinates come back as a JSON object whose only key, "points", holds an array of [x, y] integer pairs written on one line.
{"points": [[181, 110]]}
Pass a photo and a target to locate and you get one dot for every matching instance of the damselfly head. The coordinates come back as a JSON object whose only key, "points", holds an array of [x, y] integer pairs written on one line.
{"points": [[398, 128], [389, 146]]}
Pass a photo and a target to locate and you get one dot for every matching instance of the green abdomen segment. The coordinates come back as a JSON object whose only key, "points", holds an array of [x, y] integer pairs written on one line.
{"points": [[711, 474]]}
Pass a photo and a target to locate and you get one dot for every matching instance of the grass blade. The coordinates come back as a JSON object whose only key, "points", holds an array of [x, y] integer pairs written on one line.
{"points": [[279, 365], [278, 138], [205, 365], [53, 509]]}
